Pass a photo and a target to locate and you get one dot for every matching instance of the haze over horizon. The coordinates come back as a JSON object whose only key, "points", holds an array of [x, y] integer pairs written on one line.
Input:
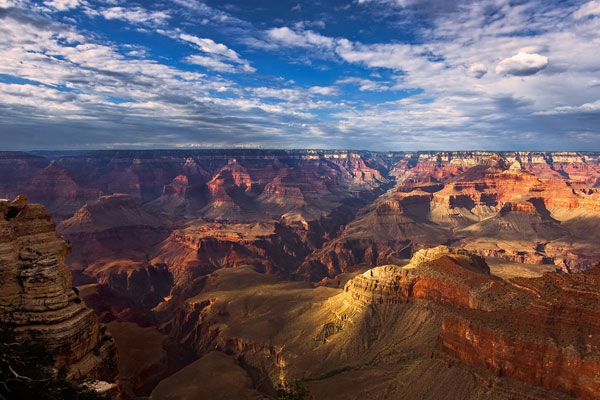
{"points": [[399, 75]]}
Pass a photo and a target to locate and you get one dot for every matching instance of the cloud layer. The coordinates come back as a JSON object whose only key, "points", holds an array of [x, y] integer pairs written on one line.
{"points": [[373, 74]]}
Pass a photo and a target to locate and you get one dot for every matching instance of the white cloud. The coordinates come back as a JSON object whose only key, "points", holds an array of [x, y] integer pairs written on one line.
{"points": [[281, 94], [76, 77], [324, 90], [477, 70], [134, 15], [62, 5], [210, 46], [522, 64], [211, 63], [219, 57], [364, 85], [584, 108], [288, 37], [587, 10], [395, 56]]}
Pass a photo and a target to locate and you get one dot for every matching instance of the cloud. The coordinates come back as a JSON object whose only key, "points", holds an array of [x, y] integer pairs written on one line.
{"points": [[210, 46], [134, 15], [522, 64], [62, 5], [586, 108], [288, 37], [477, 70], [281, 94], [588, 10], [324, 90], [211, 63], [72, 81], [364, 85], [219, 54]]}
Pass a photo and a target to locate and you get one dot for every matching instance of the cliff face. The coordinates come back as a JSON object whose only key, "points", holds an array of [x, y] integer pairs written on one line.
{"points": [[536, 208], [542, 331], [552, 341], [442, 274], [439, 320], [335, 211], [37, 297]]}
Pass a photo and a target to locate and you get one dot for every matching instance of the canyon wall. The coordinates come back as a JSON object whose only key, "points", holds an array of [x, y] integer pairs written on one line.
{"points": [[37, 297], [138, 216], [441, 319]]}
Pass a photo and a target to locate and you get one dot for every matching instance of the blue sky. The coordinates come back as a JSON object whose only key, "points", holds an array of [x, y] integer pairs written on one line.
{"points": [[357, 74]]}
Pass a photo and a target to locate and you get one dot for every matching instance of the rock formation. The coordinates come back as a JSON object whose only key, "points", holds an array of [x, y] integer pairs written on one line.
{"points": [[332, 211], [542, 331], [203, 243], [441, 319], [495, 206], [37, 298]]}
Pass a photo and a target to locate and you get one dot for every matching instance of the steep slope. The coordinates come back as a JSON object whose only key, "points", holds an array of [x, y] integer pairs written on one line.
{"points": [[392, 325], [490, 205], [112, 239], [37, 297]]}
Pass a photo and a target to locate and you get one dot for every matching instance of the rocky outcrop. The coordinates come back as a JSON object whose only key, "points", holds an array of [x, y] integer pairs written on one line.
{"points": [[37, 298], [552, 341], [200, 249], [443, 274], [542, 331]]}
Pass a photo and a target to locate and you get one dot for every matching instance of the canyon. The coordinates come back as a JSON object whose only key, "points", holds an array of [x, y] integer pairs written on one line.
{"points": [[360, 274]]}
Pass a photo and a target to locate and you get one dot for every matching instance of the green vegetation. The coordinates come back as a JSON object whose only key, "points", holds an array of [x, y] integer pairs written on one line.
{"points": [[293, 391], [27, 372]]}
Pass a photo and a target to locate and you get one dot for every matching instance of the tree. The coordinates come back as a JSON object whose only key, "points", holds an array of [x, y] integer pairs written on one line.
{"points": [[27, 371], [293, 391]]}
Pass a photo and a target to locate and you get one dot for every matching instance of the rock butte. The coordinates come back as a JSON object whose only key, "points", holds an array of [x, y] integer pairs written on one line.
{"points": [[38, 300]]}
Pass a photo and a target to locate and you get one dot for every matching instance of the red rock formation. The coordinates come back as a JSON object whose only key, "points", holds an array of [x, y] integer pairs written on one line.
{"points": [[202, 248], [552, 341], [441, 274], [543, 331]]}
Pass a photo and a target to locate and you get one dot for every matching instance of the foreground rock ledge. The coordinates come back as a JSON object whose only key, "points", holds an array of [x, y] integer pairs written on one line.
{"points": [[37, 297]]}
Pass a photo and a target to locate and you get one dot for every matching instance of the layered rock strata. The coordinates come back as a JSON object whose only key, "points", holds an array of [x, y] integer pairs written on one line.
{"points": [[401, 331], [542, 331], [37, 297]]}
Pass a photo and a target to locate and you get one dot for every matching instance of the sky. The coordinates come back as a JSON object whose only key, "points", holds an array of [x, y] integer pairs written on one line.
{"points": [[349, 74]]}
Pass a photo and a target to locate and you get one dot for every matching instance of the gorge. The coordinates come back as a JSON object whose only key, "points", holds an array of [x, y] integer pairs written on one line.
{"points": [[360, 274]]}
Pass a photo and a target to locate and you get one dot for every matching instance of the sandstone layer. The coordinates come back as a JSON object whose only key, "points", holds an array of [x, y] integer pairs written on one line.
{"points": [[37, 297], [400, 331]]}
